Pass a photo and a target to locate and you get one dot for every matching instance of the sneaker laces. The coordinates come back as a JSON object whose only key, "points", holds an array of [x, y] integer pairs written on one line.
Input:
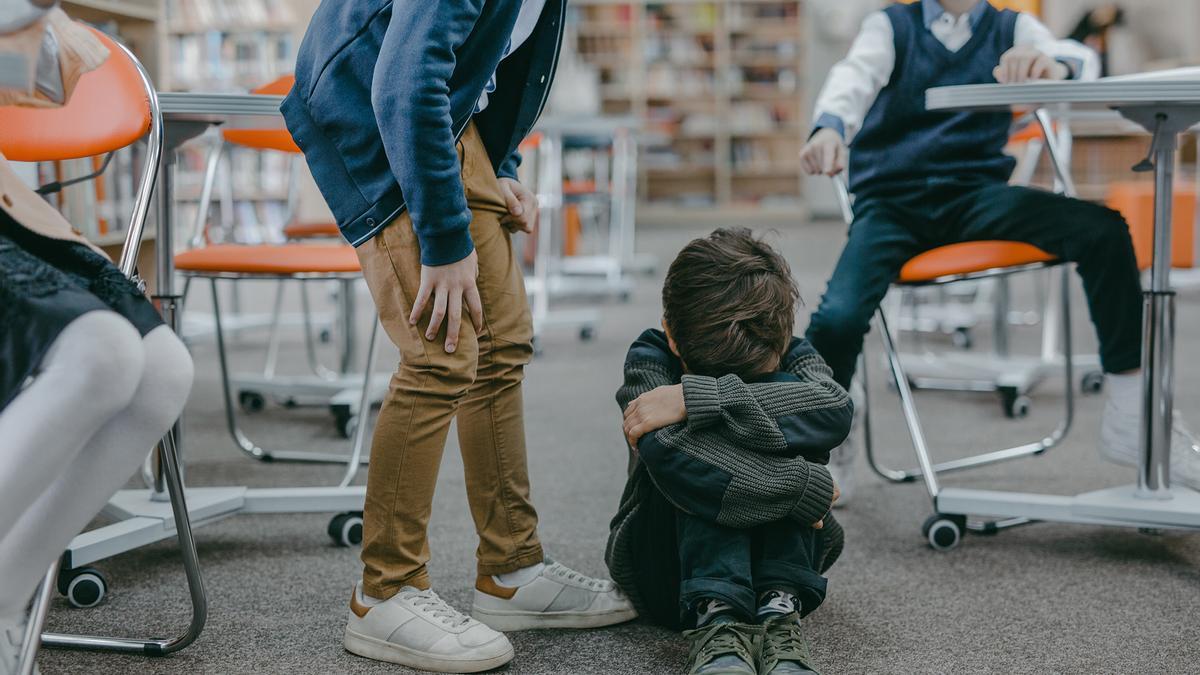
{"points": [[433, 605], [784, 641], [564, 572], [722, 639]]}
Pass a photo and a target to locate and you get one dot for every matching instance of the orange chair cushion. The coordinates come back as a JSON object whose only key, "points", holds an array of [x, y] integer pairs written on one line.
{"points": [[968, 257], [266, 139], [109, 109], [311, 230], [274, 259], [1135, 201]]}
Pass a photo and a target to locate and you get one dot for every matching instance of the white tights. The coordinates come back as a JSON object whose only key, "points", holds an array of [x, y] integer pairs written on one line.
{"points": [[101, 399]]}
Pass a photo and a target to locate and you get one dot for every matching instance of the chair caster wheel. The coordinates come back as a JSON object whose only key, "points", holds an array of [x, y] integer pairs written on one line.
{"points": [[344, 421], [1016, 406], [345, 529], [587, 333], [1092, 382], [944, 532], [83, 587], [251, 401], [962, 338]]}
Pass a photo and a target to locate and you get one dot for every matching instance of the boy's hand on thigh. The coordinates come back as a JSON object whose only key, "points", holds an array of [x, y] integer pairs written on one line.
{"points": [[653, 410], [522, 206], [824, 153], [449, 285], [1026, 62]]}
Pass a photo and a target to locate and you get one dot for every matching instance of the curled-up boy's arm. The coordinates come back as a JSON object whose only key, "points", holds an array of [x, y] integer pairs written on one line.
{"points": [[648, 364], [711, 478], [800, 411]]}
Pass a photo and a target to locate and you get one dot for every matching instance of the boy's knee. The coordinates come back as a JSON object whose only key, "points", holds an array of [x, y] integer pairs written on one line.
{"points": [[839, 321]]}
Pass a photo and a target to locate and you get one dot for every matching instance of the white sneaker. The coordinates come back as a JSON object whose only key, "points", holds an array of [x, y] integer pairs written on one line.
{"points": [[418, 629], [559, 597], [1120, 443]]}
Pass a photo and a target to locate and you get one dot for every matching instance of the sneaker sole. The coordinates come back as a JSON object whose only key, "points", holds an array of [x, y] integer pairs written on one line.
{"points": [[505, 621], [381, 650]]}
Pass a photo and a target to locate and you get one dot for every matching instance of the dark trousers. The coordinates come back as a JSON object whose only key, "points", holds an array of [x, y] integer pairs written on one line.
{"points": [[890, 229], [736, 565]]}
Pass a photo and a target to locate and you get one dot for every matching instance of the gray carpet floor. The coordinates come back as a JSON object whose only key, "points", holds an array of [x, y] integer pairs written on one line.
{"points": [[1047, 598]]}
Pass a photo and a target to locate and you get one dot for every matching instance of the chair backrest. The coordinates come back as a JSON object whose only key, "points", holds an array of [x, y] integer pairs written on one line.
{"points": [[112, 107], [109, 110], [266, 139]]}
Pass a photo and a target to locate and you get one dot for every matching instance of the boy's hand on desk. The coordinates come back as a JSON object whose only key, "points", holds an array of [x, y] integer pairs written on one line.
{"points": [[522, 206], [653, 410], [1026, 62], [824, 154]]}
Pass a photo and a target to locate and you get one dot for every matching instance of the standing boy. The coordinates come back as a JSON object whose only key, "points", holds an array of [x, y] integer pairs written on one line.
{"points": [[923, 179], [409, 114]]}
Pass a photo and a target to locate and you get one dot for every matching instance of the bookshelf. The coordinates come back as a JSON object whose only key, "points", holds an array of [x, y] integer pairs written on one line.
{"points": [[718, 86]]}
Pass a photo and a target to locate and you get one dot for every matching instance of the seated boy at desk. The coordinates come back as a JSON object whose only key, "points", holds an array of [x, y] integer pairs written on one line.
{"points": [[923, 179], [723, 525]]}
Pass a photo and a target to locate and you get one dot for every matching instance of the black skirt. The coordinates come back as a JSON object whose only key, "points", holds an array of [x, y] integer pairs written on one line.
{"points": [[45, 284]]}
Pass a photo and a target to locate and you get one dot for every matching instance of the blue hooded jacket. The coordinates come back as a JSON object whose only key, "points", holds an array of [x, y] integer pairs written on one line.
{"points": [[384, 90]]}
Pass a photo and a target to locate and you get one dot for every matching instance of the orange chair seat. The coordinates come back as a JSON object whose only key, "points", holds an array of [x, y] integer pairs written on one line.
{"points": [[272, 259], [970, 257], [311, 230]]}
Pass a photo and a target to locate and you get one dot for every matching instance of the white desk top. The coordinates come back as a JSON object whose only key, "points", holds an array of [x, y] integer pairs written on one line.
{"points": [[1108, 93]]}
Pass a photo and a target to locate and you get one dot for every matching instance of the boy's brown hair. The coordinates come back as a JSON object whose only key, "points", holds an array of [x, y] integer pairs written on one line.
{"points": [[729, 304]]}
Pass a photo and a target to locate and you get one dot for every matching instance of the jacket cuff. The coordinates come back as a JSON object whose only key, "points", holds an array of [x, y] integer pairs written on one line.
{"points": [[702, 400], [817, 498], [829, 121], [445, 248]]}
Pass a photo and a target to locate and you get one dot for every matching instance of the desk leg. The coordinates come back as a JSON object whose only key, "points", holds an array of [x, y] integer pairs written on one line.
{"points": [[1158, 337]]}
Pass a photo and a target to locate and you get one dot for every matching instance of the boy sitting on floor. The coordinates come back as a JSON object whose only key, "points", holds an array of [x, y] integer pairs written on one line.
{"points": [[723, 526], [923, 179]]}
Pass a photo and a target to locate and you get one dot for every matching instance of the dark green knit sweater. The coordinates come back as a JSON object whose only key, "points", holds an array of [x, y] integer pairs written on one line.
{"points": [[748, 453]]}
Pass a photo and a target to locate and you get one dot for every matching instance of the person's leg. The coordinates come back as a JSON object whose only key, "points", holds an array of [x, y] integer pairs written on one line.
{"points": [[1092, 236], [103, 465], [716, 595], [88, 376], [877, 247], [514, 590], [491, 420], [786, 558], [1096, 239]]}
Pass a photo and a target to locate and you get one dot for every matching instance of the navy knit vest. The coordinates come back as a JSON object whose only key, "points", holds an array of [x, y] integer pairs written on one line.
{"points": [[902, 145]]}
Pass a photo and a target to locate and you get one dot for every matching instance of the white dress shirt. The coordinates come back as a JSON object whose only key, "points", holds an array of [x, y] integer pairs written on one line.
{"points": [[527, 18], [854, 82]]}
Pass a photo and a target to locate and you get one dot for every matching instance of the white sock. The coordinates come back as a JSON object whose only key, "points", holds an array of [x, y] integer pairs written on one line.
{"points": [[518, 578], [777, 602], [368, 600], [1120, 429]]}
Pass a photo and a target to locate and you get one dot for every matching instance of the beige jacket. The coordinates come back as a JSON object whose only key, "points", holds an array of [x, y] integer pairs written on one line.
{"points": [[29, 210]]}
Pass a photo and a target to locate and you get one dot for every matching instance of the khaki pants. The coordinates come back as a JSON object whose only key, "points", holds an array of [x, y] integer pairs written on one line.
{"points": [[480, 383]]}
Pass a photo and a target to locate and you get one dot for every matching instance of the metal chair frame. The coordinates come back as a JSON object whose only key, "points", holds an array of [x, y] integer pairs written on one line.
{"points": [[338, 388], [903, 381], [165, 454]]}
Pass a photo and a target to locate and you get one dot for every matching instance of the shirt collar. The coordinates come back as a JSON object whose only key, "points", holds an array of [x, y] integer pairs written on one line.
{"points": [[931, 10]]}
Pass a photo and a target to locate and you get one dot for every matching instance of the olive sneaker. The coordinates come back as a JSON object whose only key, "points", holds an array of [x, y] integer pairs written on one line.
{"points": [[723, 647], [784, 649]]}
